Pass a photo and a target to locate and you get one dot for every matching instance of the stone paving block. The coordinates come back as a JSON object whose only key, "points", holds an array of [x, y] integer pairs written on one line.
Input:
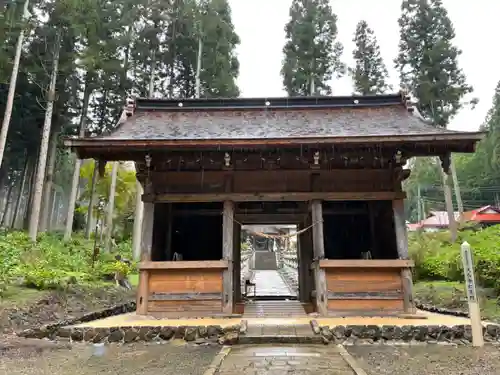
{"points": [[291, 360]]}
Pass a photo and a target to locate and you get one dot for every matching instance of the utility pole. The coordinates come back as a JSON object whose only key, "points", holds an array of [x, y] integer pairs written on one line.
{"points": [[419, 204], [456, 186]]}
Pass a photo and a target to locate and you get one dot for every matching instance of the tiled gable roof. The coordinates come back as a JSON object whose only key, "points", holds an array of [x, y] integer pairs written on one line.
{"points": [[278, 123]]}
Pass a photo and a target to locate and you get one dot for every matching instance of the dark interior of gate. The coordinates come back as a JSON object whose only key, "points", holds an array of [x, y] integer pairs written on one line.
{"points": [[351, 229]]}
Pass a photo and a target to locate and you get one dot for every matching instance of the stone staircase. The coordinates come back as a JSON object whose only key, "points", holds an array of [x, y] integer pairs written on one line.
{"points": [[265, 261]]}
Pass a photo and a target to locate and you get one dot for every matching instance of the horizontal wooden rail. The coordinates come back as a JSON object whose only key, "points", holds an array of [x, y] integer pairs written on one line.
{"points": [[366, 263], [258, 197], [195, 264]]}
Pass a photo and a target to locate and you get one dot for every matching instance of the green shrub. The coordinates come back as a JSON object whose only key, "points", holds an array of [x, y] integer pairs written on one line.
{"points": [[52, 263], [438, 259]]}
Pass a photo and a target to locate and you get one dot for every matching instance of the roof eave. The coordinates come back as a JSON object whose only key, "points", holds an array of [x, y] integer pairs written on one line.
{"points": [[107, 142]]}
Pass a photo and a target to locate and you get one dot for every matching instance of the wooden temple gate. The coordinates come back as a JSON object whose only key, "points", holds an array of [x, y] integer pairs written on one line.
{"points": [[331, 165]]}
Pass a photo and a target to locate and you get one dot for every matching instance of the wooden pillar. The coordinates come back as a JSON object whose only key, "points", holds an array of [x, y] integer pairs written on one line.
{"points": [[373, 236], [304, 266], [237, 262], [319, 253], [227, 254], [168, 241], [402, 247], [146, 245]]}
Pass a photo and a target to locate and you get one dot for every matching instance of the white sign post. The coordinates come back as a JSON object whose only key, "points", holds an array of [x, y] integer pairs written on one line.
{"points": [[470, 285]]}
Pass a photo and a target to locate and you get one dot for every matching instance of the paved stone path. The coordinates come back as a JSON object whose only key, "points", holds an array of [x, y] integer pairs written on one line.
{"points": [[270, 283], [291, 360]]}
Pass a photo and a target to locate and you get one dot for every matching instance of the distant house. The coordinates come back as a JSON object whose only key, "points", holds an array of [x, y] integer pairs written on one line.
{"points": [[438, 220], [486, 216]]}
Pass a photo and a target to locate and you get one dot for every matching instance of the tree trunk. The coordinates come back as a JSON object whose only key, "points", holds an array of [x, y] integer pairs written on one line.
{"points": [[90, 209], [68, 230], [139, 204], [40, 174], [111, 206], [7, 205], [12, 88], [49, 182], [198, 66], [20, 195], [29, 197]]}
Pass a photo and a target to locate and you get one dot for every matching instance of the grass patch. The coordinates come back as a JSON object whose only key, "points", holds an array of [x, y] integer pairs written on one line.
{"points": [[452, 295], [20, 296]]}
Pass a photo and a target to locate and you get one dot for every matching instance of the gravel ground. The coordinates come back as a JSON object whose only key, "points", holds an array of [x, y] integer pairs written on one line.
{"points": [[427, 360], [133, 359]]}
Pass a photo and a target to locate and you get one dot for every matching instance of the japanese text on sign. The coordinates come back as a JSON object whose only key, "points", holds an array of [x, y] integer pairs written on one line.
{"points": [[469, 272]]}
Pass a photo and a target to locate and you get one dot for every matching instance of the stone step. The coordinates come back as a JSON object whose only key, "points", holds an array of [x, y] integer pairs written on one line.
{"points": [[270, 309], [280, 339]]}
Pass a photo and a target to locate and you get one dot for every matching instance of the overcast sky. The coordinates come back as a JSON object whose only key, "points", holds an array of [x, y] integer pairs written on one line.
{"points": [[260, 25]]}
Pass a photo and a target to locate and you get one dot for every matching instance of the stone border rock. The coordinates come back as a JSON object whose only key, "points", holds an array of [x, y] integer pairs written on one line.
{"points": [[371, 334], [95, 315], [442, 310], [128, 334]]}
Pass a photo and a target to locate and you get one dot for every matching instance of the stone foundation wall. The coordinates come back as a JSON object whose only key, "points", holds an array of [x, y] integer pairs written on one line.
{"points": [[442, 310], [357, 334], [200, 334]]}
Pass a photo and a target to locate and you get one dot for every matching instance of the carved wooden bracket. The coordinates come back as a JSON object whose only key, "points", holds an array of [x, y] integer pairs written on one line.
{"points": [[445, 162]]}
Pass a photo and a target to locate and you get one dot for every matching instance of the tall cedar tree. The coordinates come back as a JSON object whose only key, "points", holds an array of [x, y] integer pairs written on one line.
{"points": [[427, 60], [311, 50], [369, 73]]}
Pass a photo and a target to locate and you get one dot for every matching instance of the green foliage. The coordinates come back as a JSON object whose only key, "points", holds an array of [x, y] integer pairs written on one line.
{"points": [[124, 194], [369, 73], [438, 259], [427, 60], [312, 53], [51, 263]]}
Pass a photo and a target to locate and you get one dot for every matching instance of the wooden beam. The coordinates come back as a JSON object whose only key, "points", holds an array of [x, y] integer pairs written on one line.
{"points": [[402, 247], [388, 294], [319, 254], [184, 296], [227, 253], [184, 264], [366, 263], [273, 197], [269, 218], [146, 244]]}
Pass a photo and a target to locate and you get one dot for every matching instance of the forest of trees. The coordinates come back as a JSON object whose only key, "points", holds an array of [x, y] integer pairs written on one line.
{"points": [[80, 60]]}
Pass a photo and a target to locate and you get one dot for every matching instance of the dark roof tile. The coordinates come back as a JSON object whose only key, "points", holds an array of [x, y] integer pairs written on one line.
{"points": [[277, 124]]}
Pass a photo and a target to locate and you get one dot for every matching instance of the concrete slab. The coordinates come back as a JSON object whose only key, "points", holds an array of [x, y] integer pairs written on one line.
{"points": [[132, 319]]}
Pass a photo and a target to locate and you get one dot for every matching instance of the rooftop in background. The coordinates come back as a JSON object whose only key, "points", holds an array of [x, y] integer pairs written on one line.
{"points": [[439, 219], [245, 122]]}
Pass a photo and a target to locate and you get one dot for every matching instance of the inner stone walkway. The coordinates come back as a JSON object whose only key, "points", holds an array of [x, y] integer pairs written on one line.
{"points": [[270, 284], [278, 360]]}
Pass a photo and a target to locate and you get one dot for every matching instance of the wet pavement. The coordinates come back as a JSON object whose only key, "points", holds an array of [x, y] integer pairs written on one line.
{"points": [[291, 360], [131, 359], [270, 283]]}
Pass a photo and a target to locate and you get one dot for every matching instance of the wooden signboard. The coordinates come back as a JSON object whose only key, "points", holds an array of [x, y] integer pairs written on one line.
{"points": [[470, 285]]}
